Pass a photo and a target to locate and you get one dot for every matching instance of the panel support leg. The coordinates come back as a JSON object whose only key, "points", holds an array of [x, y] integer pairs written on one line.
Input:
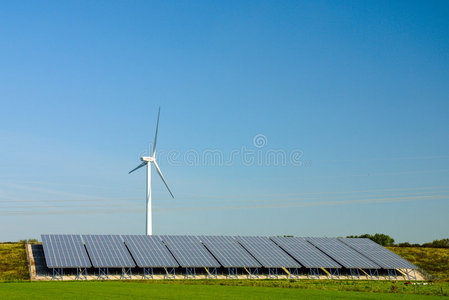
{"points": [[211, 273], [335, 273], [374, 273], [103, 273], [170, 273], [253, 273], [126, 273], [148, 273], [354, 273], [410, 275], [190, 273], [232, 273], [58, 273], [314, 273], [81, 274], [294, 273], [273, 273], [392, 273]]}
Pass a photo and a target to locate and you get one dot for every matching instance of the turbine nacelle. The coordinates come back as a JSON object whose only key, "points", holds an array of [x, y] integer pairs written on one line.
{"points": [[147, 158]]}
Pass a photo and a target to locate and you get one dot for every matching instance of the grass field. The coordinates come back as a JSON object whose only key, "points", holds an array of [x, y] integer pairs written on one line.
{"points": [[178, 290], [14, 276], [13, 262]]}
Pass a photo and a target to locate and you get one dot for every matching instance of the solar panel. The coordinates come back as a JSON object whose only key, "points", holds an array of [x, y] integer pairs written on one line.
{"points": [[189, 252], [267, 252], [308, 255], [228, 252], [149, 251], [64, 251], [343, 254], [380, 255], [108, 251]]}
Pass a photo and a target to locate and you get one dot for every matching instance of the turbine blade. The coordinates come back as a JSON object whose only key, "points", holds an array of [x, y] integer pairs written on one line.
{"points": [[157, 127], [138, 167], [162, 177]]}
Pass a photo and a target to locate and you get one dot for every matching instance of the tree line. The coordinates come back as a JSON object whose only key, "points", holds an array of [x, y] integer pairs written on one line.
{"points": [[386, 240]]}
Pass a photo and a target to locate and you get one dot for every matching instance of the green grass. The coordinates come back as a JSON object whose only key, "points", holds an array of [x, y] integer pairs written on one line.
{"points": [[433, 260], [13, 262], [179, 290]]}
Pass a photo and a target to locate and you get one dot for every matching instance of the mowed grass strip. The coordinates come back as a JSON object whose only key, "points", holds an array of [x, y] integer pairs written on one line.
{"points": [[370, 286], [13, 262], [435, 261], [137, 290]]}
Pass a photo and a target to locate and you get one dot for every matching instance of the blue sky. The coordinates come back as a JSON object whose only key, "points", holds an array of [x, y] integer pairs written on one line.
{"points": [[356, 92]]}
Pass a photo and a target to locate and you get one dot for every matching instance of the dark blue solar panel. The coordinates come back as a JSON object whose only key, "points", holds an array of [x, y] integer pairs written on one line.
{"points": [[189, 252], [149, 251], [228, 252], [380, 255], [343, 254], [308, 255], [64, 251], [108, 251], [267, 252]]}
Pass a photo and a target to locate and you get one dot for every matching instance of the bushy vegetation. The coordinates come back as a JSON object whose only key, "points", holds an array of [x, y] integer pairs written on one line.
{"points": [[13, 262]]}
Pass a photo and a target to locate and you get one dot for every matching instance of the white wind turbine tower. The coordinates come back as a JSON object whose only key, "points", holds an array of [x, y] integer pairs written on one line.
{"points": [[147, 161]]}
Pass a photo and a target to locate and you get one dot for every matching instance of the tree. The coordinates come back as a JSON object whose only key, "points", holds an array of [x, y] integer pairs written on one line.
{"points": [[443, 243], [380, 238]]}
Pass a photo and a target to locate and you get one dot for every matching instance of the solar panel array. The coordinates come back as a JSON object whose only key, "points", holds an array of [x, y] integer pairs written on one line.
{"points": [[228, 252], [108, 251], [267, 252], [380, 255], [149, 251], [189, 252], [342, 253], [308, 255], [115, 251], [65, 251]]}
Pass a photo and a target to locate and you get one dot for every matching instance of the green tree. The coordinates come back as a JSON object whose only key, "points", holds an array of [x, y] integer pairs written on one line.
{"points": [[380, 238]]}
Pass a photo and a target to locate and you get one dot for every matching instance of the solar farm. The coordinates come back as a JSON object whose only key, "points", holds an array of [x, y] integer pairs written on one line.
{"points": [[93, 257]]}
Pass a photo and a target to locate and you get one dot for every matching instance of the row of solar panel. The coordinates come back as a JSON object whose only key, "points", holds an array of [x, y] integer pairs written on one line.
{"points": [[117, 251]]}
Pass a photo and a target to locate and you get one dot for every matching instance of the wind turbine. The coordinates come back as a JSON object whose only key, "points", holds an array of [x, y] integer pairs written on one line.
{"points": [[147, 161]]}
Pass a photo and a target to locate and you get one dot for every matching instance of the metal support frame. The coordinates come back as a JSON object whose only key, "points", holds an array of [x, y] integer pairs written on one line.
{"points": [[392, 273], [190, 273], [314, 273], [103, 273], [252, 272], [170, 273], [81, 273], [148, 273], [273, 273], [211, 273], [374, 273], [335, 273], [409, 274], [294, 273], [232, 273], [354, 273], [58, 273], [126, 273]]}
